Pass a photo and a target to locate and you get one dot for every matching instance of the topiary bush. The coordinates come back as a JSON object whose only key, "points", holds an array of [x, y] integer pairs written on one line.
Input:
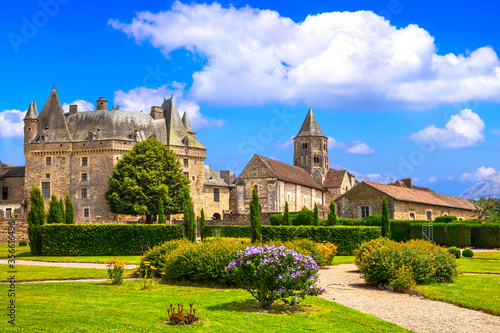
{"points": [[445, 219], [455, 251], [467, 253], [23, 243]]}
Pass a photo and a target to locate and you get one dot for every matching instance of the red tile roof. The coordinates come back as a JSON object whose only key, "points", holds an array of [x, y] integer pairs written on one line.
{"points": [[334, 178]]}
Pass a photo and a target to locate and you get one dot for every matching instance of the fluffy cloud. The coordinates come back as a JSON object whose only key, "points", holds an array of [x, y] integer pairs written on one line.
{"points": [[349, 59], [11, 123], [143, 98], [462, 130], [355, 147], [82, 105], [283, 145], [479, 174], [432, 179]]}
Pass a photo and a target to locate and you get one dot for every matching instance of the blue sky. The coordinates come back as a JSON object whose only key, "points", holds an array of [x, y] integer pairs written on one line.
{"points": [[405, 88]]}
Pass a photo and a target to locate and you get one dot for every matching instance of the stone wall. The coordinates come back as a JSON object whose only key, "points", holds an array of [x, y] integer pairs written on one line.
{"points": [[419, 211], [16, 195], [212, 207], [20, 227]]}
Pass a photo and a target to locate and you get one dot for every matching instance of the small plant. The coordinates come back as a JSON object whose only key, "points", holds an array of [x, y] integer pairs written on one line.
{"points": [[181, 318], [467, 253], [24, 243], [115, 270], [455, 251], [403, 278], [148, 284]]}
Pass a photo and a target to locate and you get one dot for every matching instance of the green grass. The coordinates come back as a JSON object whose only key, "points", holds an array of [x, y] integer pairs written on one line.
{"points": [[101, 307], [487, 255], [39, 273], [477, 292], [337, 260], [466, 265], [23, 253]]}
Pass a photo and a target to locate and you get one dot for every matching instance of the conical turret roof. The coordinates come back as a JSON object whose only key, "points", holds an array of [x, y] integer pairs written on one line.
{"points": [[51, 120], [32, 111], [187, 123], [310, 126]]}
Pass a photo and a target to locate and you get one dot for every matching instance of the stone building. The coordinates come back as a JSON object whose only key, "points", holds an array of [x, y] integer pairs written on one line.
{"points": [[338, 182], [216, 191], [404, 202], [12, 187], [75, 152]]}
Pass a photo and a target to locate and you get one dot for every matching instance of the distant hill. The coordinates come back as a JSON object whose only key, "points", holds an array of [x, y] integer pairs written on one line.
{"points": [[376, 178], [489, 186]]}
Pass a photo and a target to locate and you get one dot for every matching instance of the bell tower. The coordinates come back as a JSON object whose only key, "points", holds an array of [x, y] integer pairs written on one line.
{"points": [[311, 149]]}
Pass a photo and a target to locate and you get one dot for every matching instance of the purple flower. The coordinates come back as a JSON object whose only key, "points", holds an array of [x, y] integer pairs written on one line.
{"points": [[279, 276], [312, 278]]}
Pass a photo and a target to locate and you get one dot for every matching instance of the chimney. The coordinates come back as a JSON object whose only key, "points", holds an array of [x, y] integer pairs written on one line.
{"points": [[73, 109], [407, 182], [157, 112], [101, 104]]}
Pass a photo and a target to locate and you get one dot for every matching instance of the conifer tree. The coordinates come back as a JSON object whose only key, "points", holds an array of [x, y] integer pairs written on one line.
{"points": [[161, 213], [36, 218], [54, 215], [202, 225], [69, 210], [316, 215], [61, 209], [332, 216], [189, 217], [286, 215], [386, 232], [255, 221]]}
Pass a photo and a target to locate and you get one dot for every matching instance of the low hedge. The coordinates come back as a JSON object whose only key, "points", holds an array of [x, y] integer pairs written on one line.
{"points": [[105, 239], [445, 219], [448, 234], [230, 231], [485, 236]]}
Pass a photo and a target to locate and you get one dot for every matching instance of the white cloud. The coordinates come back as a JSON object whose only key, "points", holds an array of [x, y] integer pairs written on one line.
{"points": [[143, 98], [333, 144], [451, 178], [82, 105], [462, 130], [12, 124], [432, 179], [283, 145], [359, 147], [479, 174], [350, 59]]}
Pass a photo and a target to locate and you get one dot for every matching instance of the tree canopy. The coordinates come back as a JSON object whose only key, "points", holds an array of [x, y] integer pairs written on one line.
{"points": [[146, 174]]}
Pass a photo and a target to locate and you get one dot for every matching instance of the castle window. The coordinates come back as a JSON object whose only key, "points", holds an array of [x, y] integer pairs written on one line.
{"points": [[365, 211], [86, 212], [186, 163], [85, 161], [193, 178], [412, 216], [84, 177], [5, 193], [46, 190], [8, 213], [216, 195], [429, 215], [304, 200], [288, 197], [84, 193], [304, 145], [47, 176], [186, 174], [48, 160]]}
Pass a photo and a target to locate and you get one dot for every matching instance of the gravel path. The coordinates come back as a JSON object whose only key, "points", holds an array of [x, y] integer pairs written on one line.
{"points": [[344, 285], [64, 264]]}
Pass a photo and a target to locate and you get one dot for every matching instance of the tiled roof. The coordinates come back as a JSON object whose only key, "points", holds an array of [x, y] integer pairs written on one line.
{"points": [[407, 184], [290, 173], [334, 178], [426, 197], [12, 172]]}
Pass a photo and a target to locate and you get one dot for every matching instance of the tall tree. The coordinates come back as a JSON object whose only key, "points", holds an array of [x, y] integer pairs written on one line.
{"points": [[55, 215], [189, 217], [316, 215], [61, 209], [286, 215], [255, 221], [202, 225], [145, 174], [36, 218], [386, 231], [332, 216], [161, 213], [69, 210]]}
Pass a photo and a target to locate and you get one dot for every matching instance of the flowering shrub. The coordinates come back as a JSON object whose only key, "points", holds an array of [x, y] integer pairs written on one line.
{"points": [[322, 253], [115, 270], [270, 273], [157, 256]]}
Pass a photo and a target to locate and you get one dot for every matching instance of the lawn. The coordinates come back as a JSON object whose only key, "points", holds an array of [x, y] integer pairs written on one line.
{"points": [[101, 307], [487, 255], [39, 273], [478, 292], [23, 253], [466, 265], [337, 260]]}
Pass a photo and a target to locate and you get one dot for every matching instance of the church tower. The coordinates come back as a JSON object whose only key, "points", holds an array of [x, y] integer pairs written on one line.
{"points": [[311, 149]]}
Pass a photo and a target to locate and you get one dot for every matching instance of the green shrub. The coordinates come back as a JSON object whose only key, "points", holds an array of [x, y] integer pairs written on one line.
{"points": [[400, 230], [231, 231], [304, 217], [105, 239], [115, 270], [372, 220], [455, 251], [467, 253], [322, 253], [157, 256], [380, 259], [485, 236], [276, 219], [445, 219], [23, 243], [403, 278]]}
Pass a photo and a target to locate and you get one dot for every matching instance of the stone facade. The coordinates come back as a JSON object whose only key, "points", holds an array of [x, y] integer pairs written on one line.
{"points": [[216, 191], [12, 192]]}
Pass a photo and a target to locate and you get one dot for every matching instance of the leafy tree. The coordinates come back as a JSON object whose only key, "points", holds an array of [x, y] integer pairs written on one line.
{"points": [[69, 210], [161, 213], [286, 215], [332, 216], [36, 218], [255, 221], [147, 173], [189, 217], [316, 216], [490, 206], [386, 231], [202, 225], [55, 215]]}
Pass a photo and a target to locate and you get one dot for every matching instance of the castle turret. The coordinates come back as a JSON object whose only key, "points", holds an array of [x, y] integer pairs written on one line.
{"points": [[101, 104], [187, 124], [30, 123], [311, 149]]}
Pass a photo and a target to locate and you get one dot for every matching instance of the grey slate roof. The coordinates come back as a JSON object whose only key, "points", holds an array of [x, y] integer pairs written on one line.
{"points": [[51, 120], [32, 111], [177, 134], [10, 172], [213, 178], [187, 123], [310, 126]]}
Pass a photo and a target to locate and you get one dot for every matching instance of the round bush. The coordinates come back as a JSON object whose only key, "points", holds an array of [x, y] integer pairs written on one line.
{"points": [[153, 262], [23, 243], [467, 253], [455, 251]]}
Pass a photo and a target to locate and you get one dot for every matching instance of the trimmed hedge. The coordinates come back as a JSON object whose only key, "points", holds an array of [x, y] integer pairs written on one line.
{"points": [[230, 231], [448, 234], [485, 236], [400, 230], [445, 219], [105, 239]]}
